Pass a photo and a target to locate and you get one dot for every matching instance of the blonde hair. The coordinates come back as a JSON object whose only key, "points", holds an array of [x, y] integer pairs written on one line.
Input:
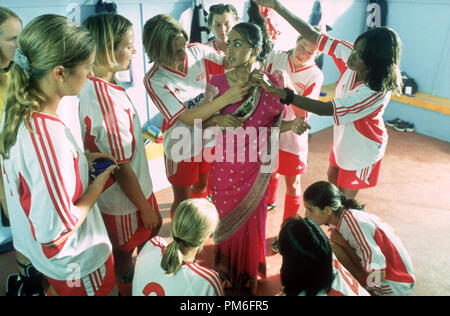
{"points": [[46, 42], [108, 30], [5, 14], [159, 35], [195, 220]]}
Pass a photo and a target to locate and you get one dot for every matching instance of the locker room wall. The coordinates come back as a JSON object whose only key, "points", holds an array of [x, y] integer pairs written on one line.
{"points": [[423, 26]]}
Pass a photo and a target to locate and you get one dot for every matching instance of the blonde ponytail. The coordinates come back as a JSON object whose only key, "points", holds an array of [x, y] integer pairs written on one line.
{"points": [[195, 220], [46, 42]]}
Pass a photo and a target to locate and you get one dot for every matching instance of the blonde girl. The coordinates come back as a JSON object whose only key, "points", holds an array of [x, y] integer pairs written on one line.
{"points": [[54, 217], [110, 125], [170, 269], [177, 84]]}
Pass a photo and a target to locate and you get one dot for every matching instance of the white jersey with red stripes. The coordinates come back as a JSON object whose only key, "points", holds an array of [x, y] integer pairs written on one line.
{"points": [[173, 91], [190, 280], [110, 124], [379, 249], [360, 136], [213, 44], [307, 82], [344, 284], [44, 177]]}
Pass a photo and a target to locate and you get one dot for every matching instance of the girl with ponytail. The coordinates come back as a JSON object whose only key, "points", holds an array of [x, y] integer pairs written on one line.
{"points": [[170, 269], [53, 212], [364, 244]]}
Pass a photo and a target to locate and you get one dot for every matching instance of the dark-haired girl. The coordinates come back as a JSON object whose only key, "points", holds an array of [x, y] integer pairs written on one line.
{"points": [[239, 185], [369, 74], [364, 244], [303, 244], [221, 19]]}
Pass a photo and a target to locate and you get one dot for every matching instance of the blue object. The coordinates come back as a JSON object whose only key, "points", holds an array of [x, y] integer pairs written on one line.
{"points": [[154, 131], [323, 94], [101, 166]]}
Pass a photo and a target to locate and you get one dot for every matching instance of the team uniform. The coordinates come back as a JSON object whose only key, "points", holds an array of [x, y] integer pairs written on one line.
{"points": [[344, 284], [45, 175], [173, 92], [190, 280], [110, 125], [293, 153], [360, 136], [213, 44], [379, 249]]}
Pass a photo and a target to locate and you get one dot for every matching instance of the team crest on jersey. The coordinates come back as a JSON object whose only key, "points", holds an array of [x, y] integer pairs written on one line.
{"points": [[300, 85]]}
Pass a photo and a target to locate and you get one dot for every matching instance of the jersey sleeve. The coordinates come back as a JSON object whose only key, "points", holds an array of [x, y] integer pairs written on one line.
{"points": [[360, 235], [213, 60], [337, 49], [47, 195], [355, 106], [163, 97]]}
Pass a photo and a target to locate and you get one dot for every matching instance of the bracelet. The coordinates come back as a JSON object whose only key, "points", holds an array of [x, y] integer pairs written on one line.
{"points": [[289, 96]]}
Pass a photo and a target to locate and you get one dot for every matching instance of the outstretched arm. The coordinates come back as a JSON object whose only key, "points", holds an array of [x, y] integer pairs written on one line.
{"points": [[303, 27], [259, 79]]}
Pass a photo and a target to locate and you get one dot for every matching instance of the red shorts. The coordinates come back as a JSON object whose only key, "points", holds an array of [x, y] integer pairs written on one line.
{"points": [[289, 164], [348, 179], [184, 174], [127, 232], [99, 283]]}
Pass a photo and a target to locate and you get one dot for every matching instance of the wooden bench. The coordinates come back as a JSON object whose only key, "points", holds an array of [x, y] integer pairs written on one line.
{"points": [[420, 99]]}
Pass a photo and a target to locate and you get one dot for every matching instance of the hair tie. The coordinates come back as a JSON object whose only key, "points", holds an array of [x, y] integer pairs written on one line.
{"points": [[344, 200], [22, 61], [177, 240]]}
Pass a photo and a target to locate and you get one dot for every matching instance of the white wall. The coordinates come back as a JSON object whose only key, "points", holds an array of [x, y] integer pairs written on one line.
{"points": [[423, 26]]}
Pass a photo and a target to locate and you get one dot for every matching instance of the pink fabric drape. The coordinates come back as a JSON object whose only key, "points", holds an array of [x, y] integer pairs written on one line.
{"points": [[241, 257]]}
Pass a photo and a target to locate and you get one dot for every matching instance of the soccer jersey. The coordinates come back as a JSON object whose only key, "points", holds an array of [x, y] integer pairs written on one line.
{"points": [[379, 249], [213, 44], [190, 280], [110, 124], [360, 136], [175, 91], [307, 82], [344, 284], [44, 177]]}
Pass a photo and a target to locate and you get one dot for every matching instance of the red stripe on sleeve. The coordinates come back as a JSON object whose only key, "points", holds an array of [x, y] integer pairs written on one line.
{"points": [[100, 102]]}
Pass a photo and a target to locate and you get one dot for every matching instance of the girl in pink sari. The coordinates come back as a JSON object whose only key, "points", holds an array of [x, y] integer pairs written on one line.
{"points": [[243, 164]]}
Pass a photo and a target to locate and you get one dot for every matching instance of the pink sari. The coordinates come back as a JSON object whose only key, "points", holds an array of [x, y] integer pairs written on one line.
{"points": [[240, 191]]}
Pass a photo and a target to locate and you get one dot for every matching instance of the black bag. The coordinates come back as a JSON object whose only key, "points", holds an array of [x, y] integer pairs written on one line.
{"points": [[409, 85]]}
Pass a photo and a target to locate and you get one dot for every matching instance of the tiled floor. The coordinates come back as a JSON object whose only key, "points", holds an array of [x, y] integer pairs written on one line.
{"points": [[412, 196]]}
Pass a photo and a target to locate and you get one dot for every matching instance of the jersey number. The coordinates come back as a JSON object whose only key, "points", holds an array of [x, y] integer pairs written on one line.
{"points": [[153, 287]]}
